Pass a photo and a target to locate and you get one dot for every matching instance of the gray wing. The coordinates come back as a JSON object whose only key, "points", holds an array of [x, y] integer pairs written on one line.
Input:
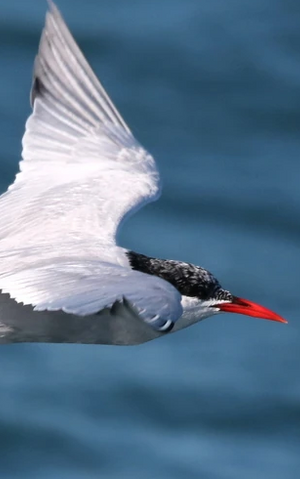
{"points": [[85, 287]]}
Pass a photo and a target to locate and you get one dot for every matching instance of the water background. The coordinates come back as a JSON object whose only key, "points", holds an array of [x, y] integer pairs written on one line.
{"points": [[212, 89]]}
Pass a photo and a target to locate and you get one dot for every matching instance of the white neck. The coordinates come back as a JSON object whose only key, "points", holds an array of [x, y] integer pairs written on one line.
{"points": [[194, 310]]}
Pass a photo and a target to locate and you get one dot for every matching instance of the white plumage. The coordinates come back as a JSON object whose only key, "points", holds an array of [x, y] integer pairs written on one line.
{"points": [[82, 173], [63, 278]]}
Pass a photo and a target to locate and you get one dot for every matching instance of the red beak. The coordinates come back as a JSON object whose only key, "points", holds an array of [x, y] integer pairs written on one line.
{"points": [[243, 306]]}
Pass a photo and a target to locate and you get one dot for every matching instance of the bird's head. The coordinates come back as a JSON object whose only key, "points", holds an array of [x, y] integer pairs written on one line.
{"points": [[204, 296]]}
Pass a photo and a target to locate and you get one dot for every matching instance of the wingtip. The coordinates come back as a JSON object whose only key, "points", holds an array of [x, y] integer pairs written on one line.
{"points": [[53, 10], [36, 88], [52, 6]]}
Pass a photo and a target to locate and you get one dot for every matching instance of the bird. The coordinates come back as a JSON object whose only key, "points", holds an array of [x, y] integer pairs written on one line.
{"points": [[64, 277]]}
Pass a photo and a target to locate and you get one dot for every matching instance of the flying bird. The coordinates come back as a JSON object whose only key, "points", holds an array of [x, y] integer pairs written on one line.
{"points": [[63, 276]]}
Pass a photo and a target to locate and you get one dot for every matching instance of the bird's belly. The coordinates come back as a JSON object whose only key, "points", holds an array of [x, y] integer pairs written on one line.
{"points": [[19, 323]]}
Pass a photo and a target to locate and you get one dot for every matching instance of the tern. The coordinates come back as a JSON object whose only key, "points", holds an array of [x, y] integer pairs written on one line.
{"points": [[63, 276]]}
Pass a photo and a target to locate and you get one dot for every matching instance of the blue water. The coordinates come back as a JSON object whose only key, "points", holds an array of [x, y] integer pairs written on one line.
{"points": [[212, 89]]}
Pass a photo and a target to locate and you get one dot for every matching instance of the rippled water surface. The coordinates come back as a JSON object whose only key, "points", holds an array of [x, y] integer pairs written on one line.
{"points": [[212, 89]]}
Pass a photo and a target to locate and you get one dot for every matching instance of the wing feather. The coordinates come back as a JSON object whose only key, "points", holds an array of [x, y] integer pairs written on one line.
{"points": [[82, 173], [75, 141], [86, 287]]}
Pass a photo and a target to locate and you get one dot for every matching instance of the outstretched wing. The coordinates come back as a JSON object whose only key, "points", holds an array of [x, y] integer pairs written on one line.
{"points": [[82, 170], [82, 173]]}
